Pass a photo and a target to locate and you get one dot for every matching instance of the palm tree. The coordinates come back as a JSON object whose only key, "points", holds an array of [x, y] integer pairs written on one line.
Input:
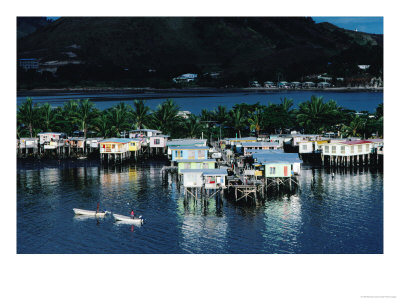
{"points": [[237, 120], [67, 119], [286, 104], [49, 116], [166, 118], [221, 115], [140, 113], [102, 125], [255, 121], [85, 115], [119, 119], [285, 115], [316, 116], [193, 126], [379, 111], [356, 126], [27, 115]]}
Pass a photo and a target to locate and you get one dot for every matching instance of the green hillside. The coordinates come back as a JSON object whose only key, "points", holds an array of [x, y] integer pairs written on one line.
{"points": [[240, 48]]}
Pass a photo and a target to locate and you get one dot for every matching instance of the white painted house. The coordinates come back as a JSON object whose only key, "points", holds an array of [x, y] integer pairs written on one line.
{"points": [[158, 141], [347, 148], [50, 137]]}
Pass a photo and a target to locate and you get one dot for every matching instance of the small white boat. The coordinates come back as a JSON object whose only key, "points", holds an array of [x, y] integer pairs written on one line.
{"points": [[92, 213], [127, 219], [82, 157]]}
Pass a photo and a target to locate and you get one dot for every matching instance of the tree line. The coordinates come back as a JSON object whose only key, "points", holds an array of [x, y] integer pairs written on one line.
{"points": [[313, 116]]}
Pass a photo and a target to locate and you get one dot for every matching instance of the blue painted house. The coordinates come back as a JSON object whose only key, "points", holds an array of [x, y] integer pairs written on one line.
{"points": [[277, 163], [189, 152]]}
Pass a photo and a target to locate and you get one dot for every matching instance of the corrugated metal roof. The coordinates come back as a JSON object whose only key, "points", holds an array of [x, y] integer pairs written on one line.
{"points": [[145, 130], [54, 133], [222, 172], [160, 135], [189, 147], [355, 142], [276, 156], [196, 160], [260, 144], [76, 138], [118, 140], [251, 138], [207, 172], [185, 142]]}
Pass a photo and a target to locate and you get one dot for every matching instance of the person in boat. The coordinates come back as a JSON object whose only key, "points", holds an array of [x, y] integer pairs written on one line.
{"points": [[132, 214]]}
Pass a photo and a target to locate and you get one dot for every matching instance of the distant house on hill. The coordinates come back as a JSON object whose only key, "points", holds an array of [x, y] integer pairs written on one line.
{"points": [[254, 83], [52, 66], [323, 84], [324, 77], [269, 84], [295, 84], [363, 67], [283, 84], [184, 114], [29, 63], [184, 78], [308, 84]]}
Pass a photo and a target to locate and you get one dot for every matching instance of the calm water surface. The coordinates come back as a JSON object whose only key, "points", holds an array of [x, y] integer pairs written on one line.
{"points": [[195, 102], [341, 215]]}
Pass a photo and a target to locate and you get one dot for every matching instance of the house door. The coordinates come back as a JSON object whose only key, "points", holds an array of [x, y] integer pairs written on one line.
{"points": [[285, 173]]}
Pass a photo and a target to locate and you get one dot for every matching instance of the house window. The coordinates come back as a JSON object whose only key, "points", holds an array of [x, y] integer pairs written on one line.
{"points": [[132, 144], [304, 147], [178, 154], [272, 170], [359, 148], [191, 154], [201, 153], [187, 165], [333, 149], [367, 148], [157, 142], [342, 149], [352, 149], [113, 146], [326, 149], [205, 165], [211, 180]]}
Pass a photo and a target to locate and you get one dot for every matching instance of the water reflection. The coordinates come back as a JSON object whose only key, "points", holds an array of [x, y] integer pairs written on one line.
{"points": [[343, 214]]}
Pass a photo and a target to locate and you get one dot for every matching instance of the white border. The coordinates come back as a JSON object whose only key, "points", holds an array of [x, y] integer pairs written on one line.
{"points": [[198, 276]]}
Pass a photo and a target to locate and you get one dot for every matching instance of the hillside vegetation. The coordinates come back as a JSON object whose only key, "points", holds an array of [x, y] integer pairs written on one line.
{"points": [[123, 50]]}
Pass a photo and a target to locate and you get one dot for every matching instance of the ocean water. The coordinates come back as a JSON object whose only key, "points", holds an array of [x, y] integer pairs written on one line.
{"points": [[340, 215], [195, 102]]}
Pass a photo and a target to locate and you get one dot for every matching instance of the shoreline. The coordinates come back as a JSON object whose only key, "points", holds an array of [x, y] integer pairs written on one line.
{"points": [[197, 90]]}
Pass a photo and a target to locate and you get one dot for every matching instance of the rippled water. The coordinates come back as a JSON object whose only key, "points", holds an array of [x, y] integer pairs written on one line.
{"points": [[341, 215]]}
